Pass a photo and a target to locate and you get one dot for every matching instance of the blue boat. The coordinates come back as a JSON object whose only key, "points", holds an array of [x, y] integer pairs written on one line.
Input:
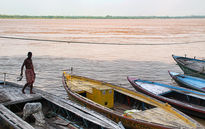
{"points": [[189, 81], [188, 101], [191, 66]]}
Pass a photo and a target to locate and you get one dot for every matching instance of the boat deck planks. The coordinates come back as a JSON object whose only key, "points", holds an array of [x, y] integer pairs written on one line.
{"points": [[12, 94], [80, 86], [15, 93], [157, 114], [3, 97], [157, 89]]}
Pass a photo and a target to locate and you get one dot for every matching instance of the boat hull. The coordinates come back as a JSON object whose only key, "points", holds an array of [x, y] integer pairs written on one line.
{"points": [[189, 70], [127, 122], [189, 81], [4, 124], [191, 110], [74, 84], [64, 112]]}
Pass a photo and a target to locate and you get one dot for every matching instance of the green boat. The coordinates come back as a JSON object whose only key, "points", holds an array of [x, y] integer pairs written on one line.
{"points": [[191, 66]]}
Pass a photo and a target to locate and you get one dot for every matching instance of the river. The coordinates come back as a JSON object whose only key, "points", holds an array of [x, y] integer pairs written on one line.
{"points": [[102, 49]]}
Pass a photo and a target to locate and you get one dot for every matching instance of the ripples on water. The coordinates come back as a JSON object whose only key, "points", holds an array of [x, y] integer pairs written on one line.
{"points": [[49, 71], [108, 63]]}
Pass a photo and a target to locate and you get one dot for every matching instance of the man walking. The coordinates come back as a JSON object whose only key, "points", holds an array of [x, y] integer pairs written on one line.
{"points": [[29, 73]]}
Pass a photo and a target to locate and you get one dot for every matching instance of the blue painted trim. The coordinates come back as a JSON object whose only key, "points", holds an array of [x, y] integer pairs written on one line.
{"points": [[183, 78], [189, 80], [171, 87], [188, 58], [192, 78]]}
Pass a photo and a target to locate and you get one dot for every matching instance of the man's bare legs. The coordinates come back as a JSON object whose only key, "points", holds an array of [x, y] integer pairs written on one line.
{"points": [[24, 87], [31, 88]]}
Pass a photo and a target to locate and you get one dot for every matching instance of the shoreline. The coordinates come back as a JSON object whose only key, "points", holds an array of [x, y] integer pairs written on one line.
{"points": [[99, 17]]}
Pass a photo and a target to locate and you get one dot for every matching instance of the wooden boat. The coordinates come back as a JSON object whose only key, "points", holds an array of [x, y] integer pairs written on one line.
{"points": [[191, 66], [189, 81], [186, 100], [58, 113], [134, 110]]}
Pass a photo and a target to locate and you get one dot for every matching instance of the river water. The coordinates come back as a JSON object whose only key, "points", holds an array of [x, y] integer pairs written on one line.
{"points": [[102, 49]]}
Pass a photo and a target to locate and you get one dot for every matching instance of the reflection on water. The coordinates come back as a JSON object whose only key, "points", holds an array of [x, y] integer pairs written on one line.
{"points": [[108, 63]]}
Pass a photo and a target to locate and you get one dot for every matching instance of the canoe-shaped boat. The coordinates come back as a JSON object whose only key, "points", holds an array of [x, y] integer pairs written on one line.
{"points": [[132, 109], [45, 111], [186, 100], [186, 81], [191, 66]]}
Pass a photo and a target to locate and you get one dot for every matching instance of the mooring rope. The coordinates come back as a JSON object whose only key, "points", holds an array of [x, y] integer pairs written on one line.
{"points": [[99, 43]]}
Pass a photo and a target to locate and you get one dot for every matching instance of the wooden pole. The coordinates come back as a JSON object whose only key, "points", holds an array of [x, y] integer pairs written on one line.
{"points": [[4, 79]]}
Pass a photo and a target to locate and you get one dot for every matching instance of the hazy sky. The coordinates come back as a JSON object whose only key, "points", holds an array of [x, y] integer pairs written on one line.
{"points": [[103, 7]]}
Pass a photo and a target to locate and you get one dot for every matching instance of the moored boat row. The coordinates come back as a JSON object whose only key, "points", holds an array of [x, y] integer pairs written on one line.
{"points": [[191, 100], [186, 100], [133, 109]]}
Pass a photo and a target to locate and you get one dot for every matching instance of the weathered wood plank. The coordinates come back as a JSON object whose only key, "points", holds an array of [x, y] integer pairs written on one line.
{"points": [[79, 111], [3, 97], [13, 118], [18, 97], [12, 94], [22, 100]]}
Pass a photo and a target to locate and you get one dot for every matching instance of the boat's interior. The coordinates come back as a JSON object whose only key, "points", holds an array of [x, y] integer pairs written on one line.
{"points": [[184, 98], [55, 116], [122, 102], [107, 96], [172, 94], [196, 65]]}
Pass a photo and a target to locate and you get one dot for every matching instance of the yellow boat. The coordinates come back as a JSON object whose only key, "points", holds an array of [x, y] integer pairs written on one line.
{"points": [[134, 110]]}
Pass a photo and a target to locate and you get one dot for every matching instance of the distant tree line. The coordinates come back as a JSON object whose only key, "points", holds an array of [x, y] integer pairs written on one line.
{"points": [[98, 17]]}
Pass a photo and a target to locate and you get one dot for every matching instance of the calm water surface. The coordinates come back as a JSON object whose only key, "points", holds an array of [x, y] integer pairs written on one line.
{"points": [[148, 55]]}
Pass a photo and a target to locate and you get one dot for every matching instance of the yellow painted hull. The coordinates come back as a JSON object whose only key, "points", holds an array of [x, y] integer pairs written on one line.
{"points": [[127, 121]]}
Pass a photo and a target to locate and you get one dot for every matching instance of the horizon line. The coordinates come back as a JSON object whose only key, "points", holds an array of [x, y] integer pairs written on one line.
{"points": [[96, 17]]}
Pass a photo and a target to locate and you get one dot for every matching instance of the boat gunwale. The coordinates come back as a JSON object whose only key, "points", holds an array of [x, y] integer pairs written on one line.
{"points": [[175, 103], [55, 100], [145, 122], [103, 109], [185, 84], [189, 58], [13, 120], [183, 66]]}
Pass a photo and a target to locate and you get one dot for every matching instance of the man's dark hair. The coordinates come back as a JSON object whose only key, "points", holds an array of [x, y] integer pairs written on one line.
{"points": [[29, 54]]}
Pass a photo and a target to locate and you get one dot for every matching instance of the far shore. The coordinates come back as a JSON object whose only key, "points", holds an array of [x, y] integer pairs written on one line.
{"points": [[97, 17]]}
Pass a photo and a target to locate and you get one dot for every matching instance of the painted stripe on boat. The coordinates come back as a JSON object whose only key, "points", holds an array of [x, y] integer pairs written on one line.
{"points": [[192, 59], [172, 87], [194, 81]]}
